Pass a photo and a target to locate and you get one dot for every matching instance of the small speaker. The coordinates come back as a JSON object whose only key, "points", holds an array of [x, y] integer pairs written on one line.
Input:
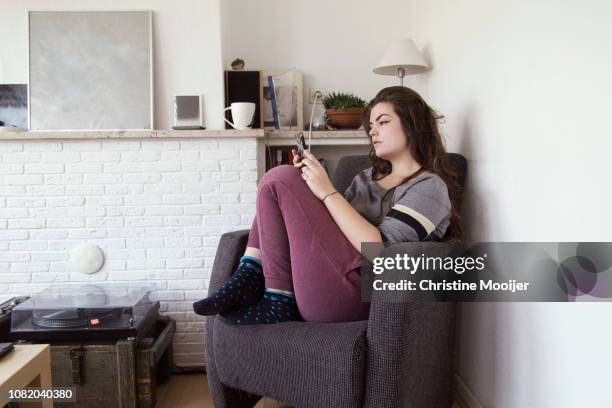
{"points": [[188, 112]]}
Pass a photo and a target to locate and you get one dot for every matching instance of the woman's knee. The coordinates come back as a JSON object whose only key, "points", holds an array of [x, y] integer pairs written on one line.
{"points": [[285, 172]]}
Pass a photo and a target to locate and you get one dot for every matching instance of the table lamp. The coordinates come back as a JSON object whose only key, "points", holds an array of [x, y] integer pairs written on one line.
{"points": [[401, 58]]}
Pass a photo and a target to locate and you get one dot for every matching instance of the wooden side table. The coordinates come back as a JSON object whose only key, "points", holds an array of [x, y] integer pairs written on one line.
{"points": [[28, 365]]}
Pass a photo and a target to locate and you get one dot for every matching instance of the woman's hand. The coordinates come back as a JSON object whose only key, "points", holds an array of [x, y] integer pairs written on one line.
{"points": [[314, 174], [296, 158]]}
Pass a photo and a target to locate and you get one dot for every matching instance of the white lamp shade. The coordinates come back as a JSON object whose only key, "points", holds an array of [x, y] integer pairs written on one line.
{"points": [[401, 53]]}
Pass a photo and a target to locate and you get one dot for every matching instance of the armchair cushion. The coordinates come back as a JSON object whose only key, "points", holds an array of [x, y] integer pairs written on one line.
{"points": [[301, 363], [349, 166], [347, 169]]}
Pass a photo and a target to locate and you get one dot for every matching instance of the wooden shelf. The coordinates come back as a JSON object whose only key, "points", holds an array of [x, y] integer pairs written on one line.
{"points": [[319, 137], [272, 137], [132, 134], [317, 134]]}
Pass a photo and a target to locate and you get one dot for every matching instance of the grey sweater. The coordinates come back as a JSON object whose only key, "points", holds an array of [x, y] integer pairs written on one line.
{"points": [[416, 209]]}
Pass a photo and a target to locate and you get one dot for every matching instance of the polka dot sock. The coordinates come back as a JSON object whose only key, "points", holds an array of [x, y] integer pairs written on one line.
{"points": [[272, 308], [245, 287]]}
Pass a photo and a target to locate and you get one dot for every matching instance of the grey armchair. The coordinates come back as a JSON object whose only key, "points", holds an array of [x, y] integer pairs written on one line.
{"points": [[400, 357]]}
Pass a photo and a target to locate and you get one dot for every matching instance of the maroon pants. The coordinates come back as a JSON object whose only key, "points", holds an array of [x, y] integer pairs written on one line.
{"points": [[304, 251]]}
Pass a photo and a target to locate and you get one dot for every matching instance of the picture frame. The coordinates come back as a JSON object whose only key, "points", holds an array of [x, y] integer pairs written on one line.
{"points": [[14, 105], [98, 75], [288, 84]]}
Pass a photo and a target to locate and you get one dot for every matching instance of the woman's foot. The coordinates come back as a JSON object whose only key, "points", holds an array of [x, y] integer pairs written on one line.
{"points": [[274, 307], [245, 287]]}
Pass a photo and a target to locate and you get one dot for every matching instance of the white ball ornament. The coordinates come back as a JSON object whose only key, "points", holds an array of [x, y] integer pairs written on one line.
{"points": [[86, 258]]}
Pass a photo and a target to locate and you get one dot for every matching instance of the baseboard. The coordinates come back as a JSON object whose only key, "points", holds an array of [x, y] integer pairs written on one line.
{"points": [[464, 396], [188, 369]]}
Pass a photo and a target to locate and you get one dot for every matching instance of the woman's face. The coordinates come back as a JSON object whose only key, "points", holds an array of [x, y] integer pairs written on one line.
{"points": [[386, 131]]}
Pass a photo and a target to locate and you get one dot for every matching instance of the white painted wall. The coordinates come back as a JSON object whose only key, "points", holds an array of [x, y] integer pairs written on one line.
{"points": [[187, 48], [526, 90], [335, 43]]}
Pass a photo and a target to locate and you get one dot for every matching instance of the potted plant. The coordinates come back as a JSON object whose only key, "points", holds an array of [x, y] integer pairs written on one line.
{"points": [[238, 64], [343, 110]]}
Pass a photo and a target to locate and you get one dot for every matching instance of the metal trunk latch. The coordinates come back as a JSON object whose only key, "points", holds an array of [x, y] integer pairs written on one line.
{"points": [[76, 354]]}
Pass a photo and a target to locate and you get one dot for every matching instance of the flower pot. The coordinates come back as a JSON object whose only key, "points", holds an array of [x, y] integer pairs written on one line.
{"points": [[348, 118]]}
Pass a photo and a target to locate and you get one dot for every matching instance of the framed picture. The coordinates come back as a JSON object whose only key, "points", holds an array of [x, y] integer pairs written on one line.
{"points": [[289, 96], [14, 105], [90, 70]]}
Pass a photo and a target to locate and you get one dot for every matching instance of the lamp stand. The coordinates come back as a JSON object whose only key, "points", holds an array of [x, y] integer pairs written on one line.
{"points": [[401, 73]]}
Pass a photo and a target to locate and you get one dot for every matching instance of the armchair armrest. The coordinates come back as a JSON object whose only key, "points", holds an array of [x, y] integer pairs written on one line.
{"points": [[410, 345], [231, 247]]}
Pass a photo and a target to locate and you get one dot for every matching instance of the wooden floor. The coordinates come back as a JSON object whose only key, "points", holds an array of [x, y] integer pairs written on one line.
{"points": [[191, 391]]}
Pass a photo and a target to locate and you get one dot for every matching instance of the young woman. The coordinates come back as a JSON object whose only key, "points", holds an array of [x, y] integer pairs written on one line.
{"points": [[302, 260]]}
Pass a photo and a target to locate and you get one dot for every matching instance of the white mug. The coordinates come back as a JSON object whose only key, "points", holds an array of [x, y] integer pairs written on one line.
{"points": [[242, 114]]}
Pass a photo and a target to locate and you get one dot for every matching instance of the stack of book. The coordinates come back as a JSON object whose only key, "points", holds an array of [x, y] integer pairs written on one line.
{"points": [[278, 156]]}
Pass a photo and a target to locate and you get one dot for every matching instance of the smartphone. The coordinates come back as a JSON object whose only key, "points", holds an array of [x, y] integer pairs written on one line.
{"points": [[301, 144], [5, 348]]}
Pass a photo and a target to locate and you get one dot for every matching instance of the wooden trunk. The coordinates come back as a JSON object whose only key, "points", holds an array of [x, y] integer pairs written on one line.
{"points": [[122, 373]]}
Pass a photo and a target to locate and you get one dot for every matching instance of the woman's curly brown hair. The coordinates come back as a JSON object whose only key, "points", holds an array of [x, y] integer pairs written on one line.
{"points": [[420, 124]]}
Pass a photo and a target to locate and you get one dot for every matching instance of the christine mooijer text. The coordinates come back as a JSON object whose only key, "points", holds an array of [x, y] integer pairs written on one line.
{"points": [[429, 285]]}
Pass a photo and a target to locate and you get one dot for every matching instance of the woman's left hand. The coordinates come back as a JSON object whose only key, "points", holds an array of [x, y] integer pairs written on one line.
{"points": [[315, 175]]}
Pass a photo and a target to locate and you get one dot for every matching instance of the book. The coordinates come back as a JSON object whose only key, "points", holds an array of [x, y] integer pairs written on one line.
{"points": [[273, 102], [279, 155]]}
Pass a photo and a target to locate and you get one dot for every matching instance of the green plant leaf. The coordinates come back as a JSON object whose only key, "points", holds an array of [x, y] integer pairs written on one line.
{"points": [[340, 100]]}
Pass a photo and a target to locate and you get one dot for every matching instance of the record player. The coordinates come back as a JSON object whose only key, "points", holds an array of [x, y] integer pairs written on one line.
{"points": [[86, 312], [5, 316]]}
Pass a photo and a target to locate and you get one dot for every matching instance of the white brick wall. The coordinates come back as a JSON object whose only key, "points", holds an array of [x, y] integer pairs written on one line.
{"points": [[155, 207]]}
